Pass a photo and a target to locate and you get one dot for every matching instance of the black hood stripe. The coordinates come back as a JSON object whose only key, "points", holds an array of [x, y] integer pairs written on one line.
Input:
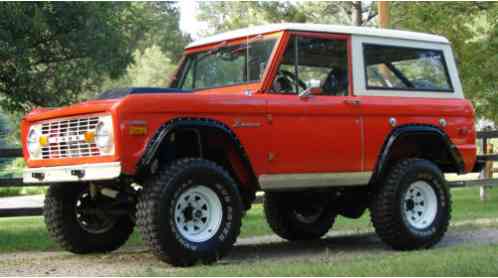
{"points": [[123, 92]]}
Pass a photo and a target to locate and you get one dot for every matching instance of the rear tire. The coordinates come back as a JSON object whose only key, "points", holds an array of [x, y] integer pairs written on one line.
{"points": [[77, 232], [412, 209], [293, 222], [190, 212]]}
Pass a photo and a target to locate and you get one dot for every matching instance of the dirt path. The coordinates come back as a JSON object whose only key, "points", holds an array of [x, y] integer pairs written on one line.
{"points": [[135, 260]]}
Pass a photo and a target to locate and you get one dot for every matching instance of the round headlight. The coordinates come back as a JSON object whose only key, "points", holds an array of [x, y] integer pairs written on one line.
{"points": [[33, 142], [103, 137]]}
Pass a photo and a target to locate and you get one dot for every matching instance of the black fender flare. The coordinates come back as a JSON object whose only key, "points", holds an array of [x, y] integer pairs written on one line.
{"points": [[164, 130], [410, 130]]}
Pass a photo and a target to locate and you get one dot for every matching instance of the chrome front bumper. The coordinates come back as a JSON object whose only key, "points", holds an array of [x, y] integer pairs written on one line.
{"points": [[73, 173]]}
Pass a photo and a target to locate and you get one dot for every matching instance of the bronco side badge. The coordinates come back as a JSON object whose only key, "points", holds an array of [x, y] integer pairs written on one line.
{"points": [[239, 123]]}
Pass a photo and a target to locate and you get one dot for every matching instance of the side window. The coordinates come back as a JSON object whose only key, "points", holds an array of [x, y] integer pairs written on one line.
{"points": [[315, 64], [403, 68], [258, 54]]}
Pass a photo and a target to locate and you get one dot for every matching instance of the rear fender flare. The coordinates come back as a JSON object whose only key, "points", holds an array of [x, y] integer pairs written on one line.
{"points": [[414, 130]]}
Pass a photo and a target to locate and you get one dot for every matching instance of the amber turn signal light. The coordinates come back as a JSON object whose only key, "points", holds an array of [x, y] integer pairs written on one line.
{"points": [[137, 130], [89, 136], [43, 140]]}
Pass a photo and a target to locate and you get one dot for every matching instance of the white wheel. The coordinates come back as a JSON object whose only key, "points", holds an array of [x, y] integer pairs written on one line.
{"points": [[190, 212], [412, 208], [198, 213], [420, 205]]}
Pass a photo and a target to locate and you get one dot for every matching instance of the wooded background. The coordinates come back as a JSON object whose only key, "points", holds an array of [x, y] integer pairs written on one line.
{"points": [[57, 53]]}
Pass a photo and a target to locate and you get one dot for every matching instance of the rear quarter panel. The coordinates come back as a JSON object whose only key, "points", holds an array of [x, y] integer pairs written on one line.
{"points": [[412, 107], [458, 114]]}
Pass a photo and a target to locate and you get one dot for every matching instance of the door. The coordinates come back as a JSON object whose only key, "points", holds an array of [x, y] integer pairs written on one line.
{"points": [[316, 125]]}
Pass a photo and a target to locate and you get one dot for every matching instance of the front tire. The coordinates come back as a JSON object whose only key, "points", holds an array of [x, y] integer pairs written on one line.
{"points": [[293, 217], [190, 212], [79, 224], [412, 209]]}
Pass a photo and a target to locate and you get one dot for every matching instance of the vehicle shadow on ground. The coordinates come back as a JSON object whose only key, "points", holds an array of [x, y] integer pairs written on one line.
{"points": [[346, 245], [137, 259], [351, 244]]}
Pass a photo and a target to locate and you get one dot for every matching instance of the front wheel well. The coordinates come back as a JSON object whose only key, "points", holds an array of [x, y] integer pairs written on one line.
{"points": [[207, 140]]}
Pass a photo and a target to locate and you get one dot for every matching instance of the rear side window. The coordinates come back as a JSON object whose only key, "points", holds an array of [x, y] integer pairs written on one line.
{"points": [[403, 68]]}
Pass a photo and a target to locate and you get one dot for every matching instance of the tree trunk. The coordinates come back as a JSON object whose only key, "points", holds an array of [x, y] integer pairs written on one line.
{"points": [[356, 13], [487, 172], [383, 7]]}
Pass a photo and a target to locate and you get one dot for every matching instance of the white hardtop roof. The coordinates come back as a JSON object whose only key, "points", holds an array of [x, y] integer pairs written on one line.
{"points": [[306, 27]]}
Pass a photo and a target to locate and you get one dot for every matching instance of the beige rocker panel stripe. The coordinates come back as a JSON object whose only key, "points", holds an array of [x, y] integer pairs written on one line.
{"points": [[313, 180]]}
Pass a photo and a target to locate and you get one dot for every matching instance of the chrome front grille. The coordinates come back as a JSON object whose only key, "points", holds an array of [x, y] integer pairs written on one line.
{"points": [[66, 138]]}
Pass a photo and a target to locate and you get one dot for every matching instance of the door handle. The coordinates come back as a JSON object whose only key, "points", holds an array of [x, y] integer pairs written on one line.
{"points": [[352, 101]]}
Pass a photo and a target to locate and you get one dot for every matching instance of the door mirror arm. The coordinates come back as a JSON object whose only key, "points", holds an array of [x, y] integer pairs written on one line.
{"points": [[305, 94]]}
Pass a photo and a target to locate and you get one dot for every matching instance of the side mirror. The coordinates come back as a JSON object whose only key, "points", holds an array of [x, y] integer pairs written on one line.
{"points": [[305, 94]]}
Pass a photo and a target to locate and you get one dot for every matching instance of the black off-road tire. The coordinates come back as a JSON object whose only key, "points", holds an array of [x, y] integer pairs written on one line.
{"points": [[156, 212], [387, 207], [63, 227], [279, 212]]}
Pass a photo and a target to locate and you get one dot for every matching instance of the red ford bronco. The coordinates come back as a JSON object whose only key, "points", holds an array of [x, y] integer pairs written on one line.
{"points": [[327, 120]]}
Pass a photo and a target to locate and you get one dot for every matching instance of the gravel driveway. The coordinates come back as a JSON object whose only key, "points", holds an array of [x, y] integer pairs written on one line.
{"points": [[128, 261]]}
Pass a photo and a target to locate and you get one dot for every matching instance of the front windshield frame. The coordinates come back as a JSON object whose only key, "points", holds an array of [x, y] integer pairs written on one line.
{"points": [[183, 70]]}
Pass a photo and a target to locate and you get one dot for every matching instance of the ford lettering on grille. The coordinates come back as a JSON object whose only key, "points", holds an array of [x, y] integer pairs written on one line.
{"points": [[66, 138]]}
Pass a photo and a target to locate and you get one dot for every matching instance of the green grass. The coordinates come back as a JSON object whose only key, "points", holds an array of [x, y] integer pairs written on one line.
{"points": [[29, 233], [21, 191], [24, 233], [450, 261]]}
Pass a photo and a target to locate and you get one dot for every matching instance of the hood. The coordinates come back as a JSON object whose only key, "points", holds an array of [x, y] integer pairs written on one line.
{"points": [[123, 92], [87, 107], [103, 103]]}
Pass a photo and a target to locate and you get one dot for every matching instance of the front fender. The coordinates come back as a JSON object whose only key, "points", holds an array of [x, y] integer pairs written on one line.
{"points": [[152, 147]]}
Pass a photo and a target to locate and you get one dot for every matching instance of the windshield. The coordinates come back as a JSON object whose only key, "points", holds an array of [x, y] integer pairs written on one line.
{"points": [[225, 65]]}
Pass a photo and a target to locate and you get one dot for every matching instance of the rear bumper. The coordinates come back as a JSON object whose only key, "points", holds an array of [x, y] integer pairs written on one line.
{"points": [[73, 173]]}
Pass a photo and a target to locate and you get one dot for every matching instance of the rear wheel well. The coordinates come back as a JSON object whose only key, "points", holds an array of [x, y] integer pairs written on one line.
{"points": [[210, 143], [427, 143], [427, 146]]}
